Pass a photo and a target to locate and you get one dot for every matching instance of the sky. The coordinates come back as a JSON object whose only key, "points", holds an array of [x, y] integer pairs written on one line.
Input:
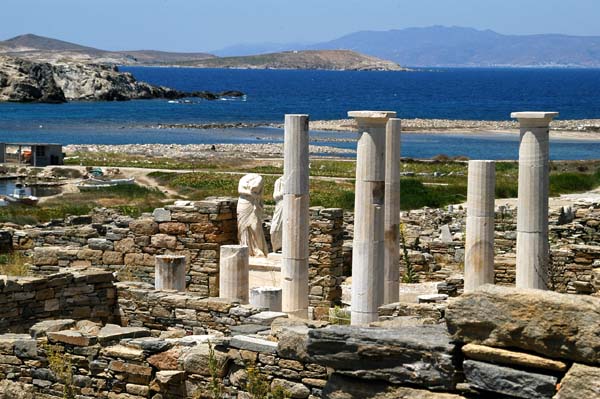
{"points": [[204, 25]]}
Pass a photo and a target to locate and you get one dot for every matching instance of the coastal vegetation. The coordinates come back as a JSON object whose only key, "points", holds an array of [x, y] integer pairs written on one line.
{"points": [[433, 183], [425, 183]]}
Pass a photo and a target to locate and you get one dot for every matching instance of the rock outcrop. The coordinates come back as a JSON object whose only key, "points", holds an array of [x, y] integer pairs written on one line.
{"points": [[27, 81]]}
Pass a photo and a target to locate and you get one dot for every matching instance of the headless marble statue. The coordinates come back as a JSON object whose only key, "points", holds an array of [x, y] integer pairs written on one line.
{"points": [[250, 215], [277, 221]]}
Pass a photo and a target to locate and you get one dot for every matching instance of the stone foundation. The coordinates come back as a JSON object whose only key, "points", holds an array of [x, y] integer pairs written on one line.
{"points": [[25, 301], [180, 346]]}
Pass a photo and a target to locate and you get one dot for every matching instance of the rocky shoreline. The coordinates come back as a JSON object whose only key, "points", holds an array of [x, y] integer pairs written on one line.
{"points": [[27, 81], [199, 151]]}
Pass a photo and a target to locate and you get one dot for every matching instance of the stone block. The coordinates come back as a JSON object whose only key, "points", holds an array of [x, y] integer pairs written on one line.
{"points": [[341, 387], [163, 241], [45, 256], [172, 228], [40, 329], [508, 381], [419, 355], [100, 244], [113, 332], [506, 357], [253, 344], [112, 258], [292, 343], [266, 318], [144, 227], [123, 352], [580, 382], [161, 215], [196, 360], [69, 337], [134, 373], [294, 390], [555, 325], [125, 245]]}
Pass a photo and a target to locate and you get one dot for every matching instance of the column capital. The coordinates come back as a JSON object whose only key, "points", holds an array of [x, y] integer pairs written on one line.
{"points": [[370, 118], [534, 119]]}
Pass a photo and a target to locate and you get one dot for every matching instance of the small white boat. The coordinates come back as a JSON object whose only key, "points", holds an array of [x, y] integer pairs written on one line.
{"points": [[95, 183], [22, 195]]}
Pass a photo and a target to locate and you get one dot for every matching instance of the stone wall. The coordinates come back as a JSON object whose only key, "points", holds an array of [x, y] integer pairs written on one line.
{"points": [[26, 300], [140, 306], [128, 246], [108, 240], [325, 271], [494, 342]]}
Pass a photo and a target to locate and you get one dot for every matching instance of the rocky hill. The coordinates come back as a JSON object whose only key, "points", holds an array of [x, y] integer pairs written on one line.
{"points": [[44, 49], [310, 59], [27, 81]]}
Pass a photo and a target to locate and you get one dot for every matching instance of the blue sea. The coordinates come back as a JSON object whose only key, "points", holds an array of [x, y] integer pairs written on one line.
{"points": [[483, 94]]}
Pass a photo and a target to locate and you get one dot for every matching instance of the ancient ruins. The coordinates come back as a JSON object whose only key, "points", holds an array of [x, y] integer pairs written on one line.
{"points": [[194, 300]]}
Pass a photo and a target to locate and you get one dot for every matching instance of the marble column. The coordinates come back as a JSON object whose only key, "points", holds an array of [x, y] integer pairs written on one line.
{"points": [[479, 244], [169, 272], [296, 218], [368, 245], [391, 227], [234, 272], [532, 211]]}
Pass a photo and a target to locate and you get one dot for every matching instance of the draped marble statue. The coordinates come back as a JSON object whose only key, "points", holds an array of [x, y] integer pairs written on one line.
{"points": [[250, 215], [277, 221]]}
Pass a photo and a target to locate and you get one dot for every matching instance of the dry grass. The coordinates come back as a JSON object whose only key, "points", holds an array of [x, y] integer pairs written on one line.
{"points": [[14, 264]]}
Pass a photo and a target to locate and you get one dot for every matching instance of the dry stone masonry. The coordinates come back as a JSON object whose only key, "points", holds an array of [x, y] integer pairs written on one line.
{"points": [[492, 341]]}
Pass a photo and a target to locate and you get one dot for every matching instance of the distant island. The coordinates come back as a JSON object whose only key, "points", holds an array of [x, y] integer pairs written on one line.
{"points": [[307, 59], [442, 46], [42, 49]]}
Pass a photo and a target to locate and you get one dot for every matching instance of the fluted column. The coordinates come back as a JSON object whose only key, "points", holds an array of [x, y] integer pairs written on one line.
{"points": [[296, 218], [368, 245], [234, 272], [169, 272], [532, 212], [479, 244], [392, 212]]}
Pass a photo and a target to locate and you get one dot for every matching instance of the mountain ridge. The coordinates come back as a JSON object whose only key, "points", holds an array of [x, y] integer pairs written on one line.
{"points": [[442, 46]]}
